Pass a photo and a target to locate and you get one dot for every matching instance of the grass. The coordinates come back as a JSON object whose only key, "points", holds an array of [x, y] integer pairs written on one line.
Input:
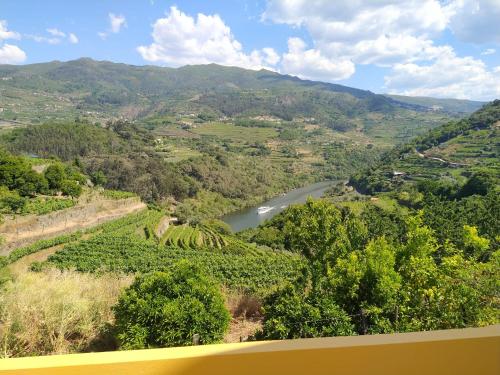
{"points": [[175, 154], [235, 133], [382, 201], [55, 312]]}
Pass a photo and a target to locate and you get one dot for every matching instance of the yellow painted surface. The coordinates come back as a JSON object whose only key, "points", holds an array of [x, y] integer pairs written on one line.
{"points": [[473, 351]]}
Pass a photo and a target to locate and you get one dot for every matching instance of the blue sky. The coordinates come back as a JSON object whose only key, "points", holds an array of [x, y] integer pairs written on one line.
{"points": [[441, 48]]}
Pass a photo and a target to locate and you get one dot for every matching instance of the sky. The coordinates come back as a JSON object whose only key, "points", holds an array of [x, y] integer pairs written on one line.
{"points": [[439, 48]]}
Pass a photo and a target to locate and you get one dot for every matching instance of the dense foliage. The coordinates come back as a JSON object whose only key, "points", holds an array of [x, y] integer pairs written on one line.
{"points": [[21, 186], [113, 253], [167, 308], [382, 284]]}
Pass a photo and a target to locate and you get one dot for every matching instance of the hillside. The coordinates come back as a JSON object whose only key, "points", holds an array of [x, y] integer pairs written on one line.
{"points": [[450, 152], [100, 90], [436, 104]]}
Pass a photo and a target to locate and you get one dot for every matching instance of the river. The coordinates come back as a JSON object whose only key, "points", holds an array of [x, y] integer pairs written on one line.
{"points": [[249, 218]]}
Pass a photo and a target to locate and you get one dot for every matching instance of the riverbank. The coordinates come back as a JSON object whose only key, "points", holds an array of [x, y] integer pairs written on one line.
{"points": [[249, 217]]}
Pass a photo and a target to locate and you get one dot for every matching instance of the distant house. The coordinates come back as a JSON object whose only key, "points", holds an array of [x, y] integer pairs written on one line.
{"points": [[396, 173]]}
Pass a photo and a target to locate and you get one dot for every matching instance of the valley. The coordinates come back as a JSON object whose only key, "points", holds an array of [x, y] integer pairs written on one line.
{"points": [[118, 181]]}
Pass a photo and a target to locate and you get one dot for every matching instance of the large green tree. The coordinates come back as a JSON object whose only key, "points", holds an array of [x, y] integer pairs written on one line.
{"points": [[167, 308]]}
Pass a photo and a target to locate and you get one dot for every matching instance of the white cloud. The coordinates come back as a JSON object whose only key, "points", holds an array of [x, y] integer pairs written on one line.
{"points": [[270, 56], [57, 37], [73, 39], [476, 21], [365, 31], [56, 32], [43, 39], [310, 64], [10, 54], [179, 39], [396, 34], [489, 51], [5, 33], [116, 22], [448, 76]]}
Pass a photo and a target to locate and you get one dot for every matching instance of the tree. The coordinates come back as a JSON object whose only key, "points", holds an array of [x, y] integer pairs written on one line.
{"points": [[475, 245], [366, 284], [479, 183], [292, 314], [11, 201], [71, 188], [98, 178], [166, 309], [317, 230], [55, 175]]}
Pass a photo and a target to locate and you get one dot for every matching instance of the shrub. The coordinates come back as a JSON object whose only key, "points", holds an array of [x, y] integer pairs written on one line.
{"points": [[167, 309], [289, 314], [11, 201], [71, 188]]}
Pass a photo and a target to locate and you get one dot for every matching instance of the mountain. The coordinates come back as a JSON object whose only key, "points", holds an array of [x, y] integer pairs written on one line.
{"points": [[101, 90], [452, 153], [436, 104]]}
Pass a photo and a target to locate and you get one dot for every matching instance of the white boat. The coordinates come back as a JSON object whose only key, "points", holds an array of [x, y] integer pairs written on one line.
{"points": [[264, 209]]}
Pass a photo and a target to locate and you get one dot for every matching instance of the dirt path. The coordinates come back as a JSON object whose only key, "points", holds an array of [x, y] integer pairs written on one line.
{"points": [[439, 159], [22, 265]]}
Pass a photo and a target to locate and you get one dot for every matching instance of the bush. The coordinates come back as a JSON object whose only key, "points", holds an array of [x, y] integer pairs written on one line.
{"points": [[71, 188], [11, 201], [292, 315], [167, 309]]}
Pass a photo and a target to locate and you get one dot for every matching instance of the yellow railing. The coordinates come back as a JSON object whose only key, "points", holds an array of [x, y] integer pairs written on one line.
{"points": [[473, 351]]}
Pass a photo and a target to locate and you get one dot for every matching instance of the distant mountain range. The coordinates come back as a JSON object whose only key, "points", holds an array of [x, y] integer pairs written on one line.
{"points": [[448, 105], [103, 90]]}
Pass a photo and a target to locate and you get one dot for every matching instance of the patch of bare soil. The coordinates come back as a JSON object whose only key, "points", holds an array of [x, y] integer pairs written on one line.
{"points": [[242, 329]]}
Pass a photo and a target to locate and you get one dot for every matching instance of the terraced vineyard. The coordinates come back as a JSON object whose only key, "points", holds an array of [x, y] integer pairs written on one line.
{"points": [[204, 237], [129, 245], [130, 253]]}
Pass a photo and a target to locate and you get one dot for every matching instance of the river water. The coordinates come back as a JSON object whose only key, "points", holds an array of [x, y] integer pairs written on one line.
{"points": [[249, 218]]}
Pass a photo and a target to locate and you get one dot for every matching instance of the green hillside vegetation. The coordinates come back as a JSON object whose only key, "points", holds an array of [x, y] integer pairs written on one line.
{"points": [[100, 90], [129, 245], [450, 153], [206, 237], [24, 190], [256, 273], [219, 173], [214, 138]]}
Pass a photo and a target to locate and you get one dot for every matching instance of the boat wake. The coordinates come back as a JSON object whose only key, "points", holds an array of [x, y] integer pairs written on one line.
{"points": [[264, 209]]}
